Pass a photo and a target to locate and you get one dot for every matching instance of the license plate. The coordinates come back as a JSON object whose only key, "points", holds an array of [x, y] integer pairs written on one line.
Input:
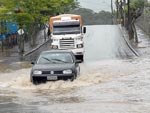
{"points": [[51, 77]]}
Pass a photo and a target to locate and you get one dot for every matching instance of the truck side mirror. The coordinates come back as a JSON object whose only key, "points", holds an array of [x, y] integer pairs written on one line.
{"points": [[84, 29]]}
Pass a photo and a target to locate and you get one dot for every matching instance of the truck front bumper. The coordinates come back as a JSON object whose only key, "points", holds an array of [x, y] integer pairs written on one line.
{"points": [[78, 51]]}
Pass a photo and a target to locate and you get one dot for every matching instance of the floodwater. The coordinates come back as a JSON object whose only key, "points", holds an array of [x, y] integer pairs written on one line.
{"points": [[108, 83]]}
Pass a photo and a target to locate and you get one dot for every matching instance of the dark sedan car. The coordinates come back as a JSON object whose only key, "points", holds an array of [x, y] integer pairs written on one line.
{"points": [[54, 65]]}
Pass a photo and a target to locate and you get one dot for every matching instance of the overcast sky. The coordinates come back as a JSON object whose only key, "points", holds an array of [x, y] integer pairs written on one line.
{"points": [[96, 5]]}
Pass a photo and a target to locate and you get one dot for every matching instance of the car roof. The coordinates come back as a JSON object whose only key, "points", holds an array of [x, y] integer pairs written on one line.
{"points": [[57, 51]]}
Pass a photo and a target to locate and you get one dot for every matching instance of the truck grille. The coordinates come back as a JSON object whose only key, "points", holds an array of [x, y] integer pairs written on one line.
{"points": [[67, 43]]}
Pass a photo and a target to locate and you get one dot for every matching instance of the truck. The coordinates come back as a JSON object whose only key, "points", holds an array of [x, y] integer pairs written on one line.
{"points": [[67, 32]]}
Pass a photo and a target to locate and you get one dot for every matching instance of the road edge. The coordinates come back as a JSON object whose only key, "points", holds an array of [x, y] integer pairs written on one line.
{"points": [[37, 47], [125, 34]]}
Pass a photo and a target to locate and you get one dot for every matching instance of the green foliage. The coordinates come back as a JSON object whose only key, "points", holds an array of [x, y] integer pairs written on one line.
{"points": [[133, 5], [91, 18], [3, 13], [139, 3], [136, 8], [24, 18], [37, 10]]}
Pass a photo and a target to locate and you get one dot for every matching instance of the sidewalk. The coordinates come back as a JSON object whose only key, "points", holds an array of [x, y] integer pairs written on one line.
{"points": [[143, 47], [13, 52], [39, 42], [128, 42]]}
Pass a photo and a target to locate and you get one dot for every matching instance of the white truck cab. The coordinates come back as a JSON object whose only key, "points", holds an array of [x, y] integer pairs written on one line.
{"points": [[67, 32]]}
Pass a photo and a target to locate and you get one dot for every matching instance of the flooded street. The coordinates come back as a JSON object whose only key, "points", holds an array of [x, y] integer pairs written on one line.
{"points": [[112, 80]]}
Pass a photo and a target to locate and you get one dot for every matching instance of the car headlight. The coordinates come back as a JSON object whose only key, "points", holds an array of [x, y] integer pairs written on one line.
{"points": [[79, 45], [67, 71], [54, 47], [37, 72]]}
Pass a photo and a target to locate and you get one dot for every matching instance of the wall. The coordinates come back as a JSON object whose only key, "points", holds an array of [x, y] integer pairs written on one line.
{"points": [[144, 23]]}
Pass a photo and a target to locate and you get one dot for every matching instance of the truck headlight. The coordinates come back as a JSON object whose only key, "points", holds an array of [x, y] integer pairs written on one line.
{"points": [[55, 40], [79, 39], [80, 46], [37, 72], [69, 71]]}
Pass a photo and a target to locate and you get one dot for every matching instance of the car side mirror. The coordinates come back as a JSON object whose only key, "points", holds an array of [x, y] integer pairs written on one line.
{"points": [[32, 63], [84, 29]]}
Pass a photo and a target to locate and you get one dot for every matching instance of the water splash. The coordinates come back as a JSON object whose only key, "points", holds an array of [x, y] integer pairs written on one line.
{"points": [[93, 73]]}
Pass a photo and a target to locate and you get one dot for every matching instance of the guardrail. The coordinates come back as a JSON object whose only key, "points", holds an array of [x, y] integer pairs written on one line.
{"points": [[33, 50]]}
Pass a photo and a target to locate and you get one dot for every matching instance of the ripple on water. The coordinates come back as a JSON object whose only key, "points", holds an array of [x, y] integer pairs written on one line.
{"points": [[91, 74]]}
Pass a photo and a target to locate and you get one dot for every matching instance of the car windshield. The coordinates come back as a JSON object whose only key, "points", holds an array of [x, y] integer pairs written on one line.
{"points": [[52, 57]]}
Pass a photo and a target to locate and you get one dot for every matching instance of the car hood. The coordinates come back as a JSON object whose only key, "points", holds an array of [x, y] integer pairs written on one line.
{"points": [[53, 66]]}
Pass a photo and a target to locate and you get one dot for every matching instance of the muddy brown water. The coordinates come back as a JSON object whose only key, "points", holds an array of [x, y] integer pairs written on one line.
{"points": [[109, 82], [101, 87]]}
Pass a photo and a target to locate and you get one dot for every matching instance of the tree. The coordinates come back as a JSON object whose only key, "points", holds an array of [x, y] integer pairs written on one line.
{"points": [[135, 12], [39, 10], [92, 18], [34, 13], [136, 9]]}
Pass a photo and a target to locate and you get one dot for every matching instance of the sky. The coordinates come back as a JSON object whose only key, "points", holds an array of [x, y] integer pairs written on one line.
{"points": [[96, 5]]}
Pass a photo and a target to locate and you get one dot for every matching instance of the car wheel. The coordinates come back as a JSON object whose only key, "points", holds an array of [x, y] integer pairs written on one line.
{"points": [[35, 81], [31, 79], [73, 77], [82, 59], [78, 71]]}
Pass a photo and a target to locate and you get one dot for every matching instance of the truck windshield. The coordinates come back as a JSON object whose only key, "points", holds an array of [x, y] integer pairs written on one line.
{"points": [[71, 29]]}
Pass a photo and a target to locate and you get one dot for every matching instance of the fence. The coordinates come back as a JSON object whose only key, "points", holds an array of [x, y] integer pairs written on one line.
{"points": [[144, 23]]}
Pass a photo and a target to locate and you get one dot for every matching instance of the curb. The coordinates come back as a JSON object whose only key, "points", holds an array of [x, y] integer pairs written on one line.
{"points": [[128, 42], [29, 52]]}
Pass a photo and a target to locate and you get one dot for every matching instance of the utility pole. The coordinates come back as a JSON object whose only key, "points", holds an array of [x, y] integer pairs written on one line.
{"points": [[112, 11], [130, 32], [2, 34], [124, 3], [2, 39], [121, 12], [129, 15], [117, 5]]}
